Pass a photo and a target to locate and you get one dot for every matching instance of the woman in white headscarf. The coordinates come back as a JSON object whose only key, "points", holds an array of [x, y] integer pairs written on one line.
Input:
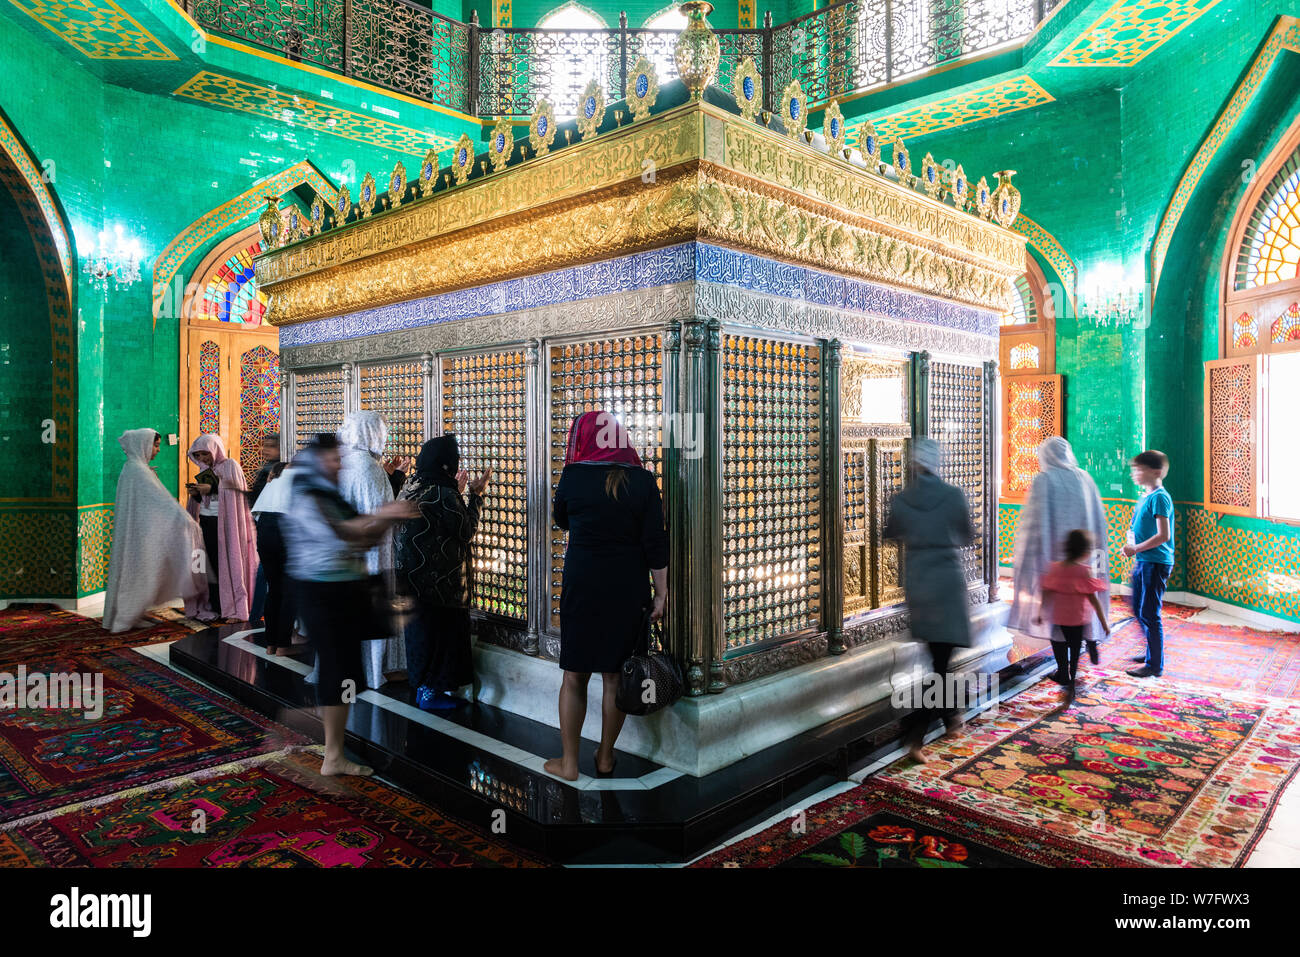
{"points": [[366, 486], [154, 543], [1063, 497]]}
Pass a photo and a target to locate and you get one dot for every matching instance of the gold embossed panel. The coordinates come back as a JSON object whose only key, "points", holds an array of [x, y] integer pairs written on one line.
{"points": [[318, 403], [887, 462], [397, 390], [957, 422], [483, 405], [623, 376], [771, 489]]}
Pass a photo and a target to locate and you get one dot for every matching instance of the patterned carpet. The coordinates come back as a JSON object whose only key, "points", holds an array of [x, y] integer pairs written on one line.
{"points": [[1134, 773], [35, 631], [155, 724], [279, 813], [1224, 656], [882, 825], [127, 788]]}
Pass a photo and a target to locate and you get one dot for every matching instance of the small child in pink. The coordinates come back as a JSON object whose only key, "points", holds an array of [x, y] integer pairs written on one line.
{"points": [[1068, 589]]}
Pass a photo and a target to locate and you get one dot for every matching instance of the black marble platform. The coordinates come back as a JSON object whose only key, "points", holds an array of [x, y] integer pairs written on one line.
{"points": [[479, 760]]}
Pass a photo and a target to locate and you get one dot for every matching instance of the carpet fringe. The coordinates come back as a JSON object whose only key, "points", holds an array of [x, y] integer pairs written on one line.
{"points": [[165, 784]]}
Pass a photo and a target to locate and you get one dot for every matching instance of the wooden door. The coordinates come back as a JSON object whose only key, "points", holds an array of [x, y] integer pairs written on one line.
{"points": [[231, 386]]}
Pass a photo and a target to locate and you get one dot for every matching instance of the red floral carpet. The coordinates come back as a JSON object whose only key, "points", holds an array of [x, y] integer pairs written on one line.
{"points": [[1242, 659], [279, 813], [154, 724], [42, 630], [1158, 772], [1134, 773], [882, 825]]}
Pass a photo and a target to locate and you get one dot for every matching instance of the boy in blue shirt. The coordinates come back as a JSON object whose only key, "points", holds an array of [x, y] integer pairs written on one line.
{"points": [[1151, 544]]}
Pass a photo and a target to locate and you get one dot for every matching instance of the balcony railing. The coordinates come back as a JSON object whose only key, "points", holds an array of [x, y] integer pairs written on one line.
{"points": [[504, 71]]}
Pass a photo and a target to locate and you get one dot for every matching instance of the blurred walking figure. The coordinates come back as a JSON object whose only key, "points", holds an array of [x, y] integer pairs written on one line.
{"points": [[932, 521], [270, 463], [326, 541], [610, 505], [154, 543], [278, 605], [435, 566], [366, 486], [1063, 497], [218, 499]]}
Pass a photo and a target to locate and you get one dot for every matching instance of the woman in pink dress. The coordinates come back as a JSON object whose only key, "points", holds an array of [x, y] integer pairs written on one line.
{"points": [[1068, 588], [229, 536]]}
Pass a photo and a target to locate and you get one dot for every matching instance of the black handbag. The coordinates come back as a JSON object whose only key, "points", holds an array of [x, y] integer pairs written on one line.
{"points": [[650, 680]]}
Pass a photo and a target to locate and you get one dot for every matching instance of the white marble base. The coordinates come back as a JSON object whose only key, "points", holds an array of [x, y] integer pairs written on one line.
{"points": [[700, 735]]}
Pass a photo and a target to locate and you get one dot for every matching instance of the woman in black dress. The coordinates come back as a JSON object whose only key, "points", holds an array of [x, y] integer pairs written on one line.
{"points": [[610, 505], [435, 566]]}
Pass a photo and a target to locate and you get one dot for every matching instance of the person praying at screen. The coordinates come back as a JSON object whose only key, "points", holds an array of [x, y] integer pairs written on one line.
{"points": [[435, 565]]}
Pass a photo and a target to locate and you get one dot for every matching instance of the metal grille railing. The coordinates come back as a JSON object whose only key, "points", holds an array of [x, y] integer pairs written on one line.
{"points": [[504, 71]]}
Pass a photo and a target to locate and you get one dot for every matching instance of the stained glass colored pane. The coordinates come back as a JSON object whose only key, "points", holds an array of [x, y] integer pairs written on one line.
{"points": [[259, 405], [1024, 356], [1286, 327], [209, 387], [1020, 304], [1245, 332], [1271, 249], [230, 293]]}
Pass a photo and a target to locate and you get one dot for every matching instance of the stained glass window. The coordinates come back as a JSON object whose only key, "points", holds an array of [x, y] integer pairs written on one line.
{"points": [[209, 387], [1024, 356], [1286, 327], [1021, 310], [1270, 249], [1245, 332], [259, 405], [230, 293]]}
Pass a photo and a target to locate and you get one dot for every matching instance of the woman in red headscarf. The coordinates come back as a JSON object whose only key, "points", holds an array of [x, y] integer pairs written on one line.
{"points": [[610, 505]]}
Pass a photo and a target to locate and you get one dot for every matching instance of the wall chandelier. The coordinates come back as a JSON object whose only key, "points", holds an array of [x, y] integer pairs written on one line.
{"points": [[116, 260]]}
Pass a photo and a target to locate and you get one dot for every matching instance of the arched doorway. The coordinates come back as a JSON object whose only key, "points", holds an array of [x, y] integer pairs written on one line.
{"points": [[230, 362]]}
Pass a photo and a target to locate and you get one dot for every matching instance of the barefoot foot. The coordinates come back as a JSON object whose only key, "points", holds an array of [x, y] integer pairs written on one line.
{"points": [[917, 755], [341, 766], [605, 766], [557, 767]]}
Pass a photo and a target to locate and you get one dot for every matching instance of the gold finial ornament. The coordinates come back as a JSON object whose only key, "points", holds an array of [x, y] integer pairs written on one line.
{"points": [[317, 214], [903, 164], [428, 177], [270, 222], [342, 205], [462, 159], [1006, 199], [794, 109], [869, 145], [747, 88], [294, 226], [591, 110], [931, 177], [501, 145], [833, 128], [541, 129], [642, 89], [366, 196], [958, 187], [697, 51], [983, 199], [397, 185]]}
